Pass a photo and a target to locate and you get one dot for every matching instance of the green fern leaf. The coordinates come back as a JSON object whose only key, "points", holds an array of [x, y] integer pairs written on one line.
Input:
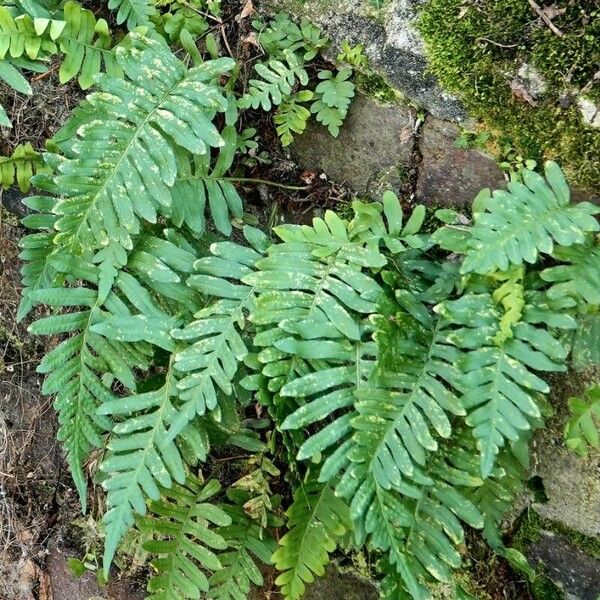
{"points": [[578, 277], [144, 121], [20, 167], [586, 343], [516, 225], [499, 382], [86, 45], [278, 81], [133, 12], [583, 428], [315, 519], [216, 347], [18, 37], [292, 117], [247, 544], [181, 525], [139, 459], [332, 99]]}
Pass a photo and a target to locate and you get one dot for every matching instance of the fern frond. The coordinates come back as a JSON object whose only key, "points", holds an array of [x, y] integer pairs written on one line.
{"points": [[185, 531], [282, 34], [418, 523], [86, 45], [499, 382], [515, 226], [579, 275], [123, 165], [133, 12], [216, 347], [410, 403], [510, 295], [20, 167], [278, 81], [139, 458], [583, 428], [247, 544], [315, 519], [332, 99], [202, 187], [18, 37], [292, 117]]}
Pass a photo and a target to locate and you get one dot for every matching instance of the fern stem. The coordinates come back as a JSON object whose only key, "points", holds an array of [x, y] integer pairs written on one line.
{"points": [[284, 186]]}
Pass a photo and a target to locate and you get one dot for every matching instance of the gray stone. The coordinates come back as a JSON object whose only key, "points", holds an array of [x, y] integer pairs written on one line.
{"points": [[451, 176], [391, 43], [590, 111], [372, 151], [532, 79], [574, 571], [571, 483]]}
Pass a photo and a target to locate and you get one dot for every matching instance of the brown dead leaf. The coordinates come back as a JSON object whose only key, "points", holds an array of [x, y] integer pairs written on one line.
{"points": [[251, 39], [308, 177], [406, 134], [45, 590], [246, 11], [521, 93]]}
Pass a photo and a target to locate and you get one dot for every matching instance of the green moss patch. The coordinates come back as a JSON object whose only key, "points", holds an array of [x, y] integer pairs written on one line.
{"points": [[476, 49]]}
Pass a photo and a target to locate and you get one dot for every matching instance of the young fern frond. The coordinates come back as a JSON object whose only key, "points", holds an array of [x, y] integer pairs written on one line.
{"points": [[122, 167], [332, 99], [292, 117], [513, 227], [186, 531], [247, 544], [314, 520], [583, 428], [278, 81]]}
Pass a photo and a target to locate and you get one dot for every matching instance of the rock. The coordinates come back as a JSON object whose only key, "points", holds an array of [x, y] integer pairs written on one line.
{"points": [[571, 484], [12, 200], [450, 176], [391, 41], [532, 80], [574, 571], [372, 151], [590, 111], [337, 585]]}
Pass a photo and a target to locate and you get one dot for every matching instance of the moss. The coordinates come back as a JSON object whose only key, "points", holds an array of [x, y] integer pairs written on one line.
{"points": [[374, 85], [475, 49]]}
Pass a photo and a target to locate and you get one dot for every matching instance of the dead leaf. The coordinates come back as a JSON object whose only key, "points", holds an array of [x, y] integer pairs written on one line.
{"points": [[308, 177], [251, 39], [45, 589], [246, 11], [406, 134], [521, 93]]}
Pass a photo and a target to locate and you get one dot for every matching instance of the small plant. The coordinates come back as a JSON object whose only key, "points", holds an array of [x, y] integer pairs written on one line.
{"points": [[381, 382], [583, 428]]}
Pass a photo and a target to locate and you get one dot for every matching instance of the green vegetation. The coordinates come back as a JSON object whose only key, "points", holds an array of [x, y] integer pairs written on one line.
{"points": [[372, 386], [478, 49]]}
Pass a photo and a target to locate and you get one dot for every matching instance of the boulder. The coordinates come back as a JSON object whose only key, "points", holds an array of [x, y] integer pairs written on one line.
{"points": [[391, 41], [372, 152]]}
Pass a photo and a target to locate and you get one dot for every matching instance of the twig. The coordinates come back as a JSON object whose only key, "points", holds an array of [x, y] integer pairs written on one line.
{"points": [[45, 73], [540, 11], [484, 39]]}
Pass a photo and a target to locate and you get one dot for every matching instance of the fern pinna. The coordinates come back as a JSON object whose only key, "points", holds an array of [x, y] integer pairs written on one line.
{"points": [[402, 369]]}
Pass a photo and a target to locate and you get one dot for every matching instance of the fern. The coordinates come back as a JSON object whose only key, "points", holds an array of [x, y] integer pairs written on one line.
{"points": [[247, 544], [516, 225], [315, 519], [108, 189], [292, 117], [20, 167], [133, 12], [182, 525], [278, 81], [86, 45], [583, 428], [499, 381], [19, 37], [586, 342], [332, 99]]}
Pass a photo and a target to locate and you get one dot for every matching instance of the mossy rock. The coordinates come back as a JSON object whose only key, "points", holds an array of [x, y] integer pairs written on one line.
{"points": [[482, 51]]}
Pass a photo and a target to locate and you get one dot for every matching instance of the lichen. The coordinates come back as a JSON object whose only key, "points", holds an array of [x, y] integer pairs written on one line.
{"points": [[476, 49]]}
